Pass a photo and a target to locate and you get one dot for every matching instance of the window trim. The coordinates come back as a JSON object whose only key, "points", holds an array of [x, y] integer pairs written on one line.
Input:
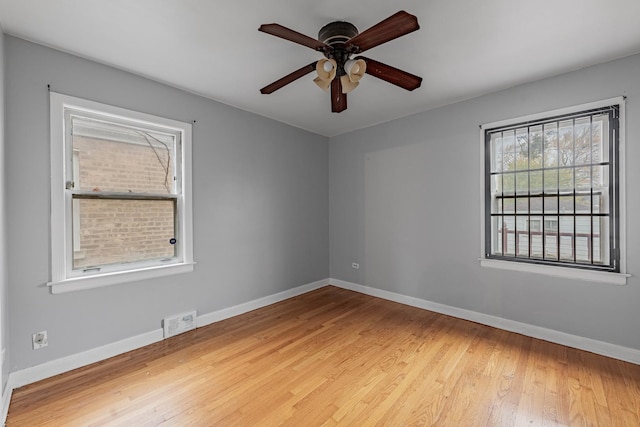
{"points": [[618, 278], [63, 280]]}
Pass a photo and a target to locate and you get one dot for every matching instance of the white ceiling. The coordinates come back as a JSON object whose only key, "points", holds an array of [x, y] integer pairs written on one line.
{"points": [[463, 49]]}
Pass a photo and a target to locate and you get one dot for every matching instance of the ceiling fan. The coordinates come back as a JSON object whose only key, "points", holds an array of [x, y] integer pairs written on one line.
{"points": [[339, 41]]}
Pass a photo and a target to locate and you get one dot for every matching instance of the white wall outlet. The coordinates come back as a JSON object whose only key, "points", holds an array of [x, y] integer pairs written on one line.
{"points": [[39, 340], [355, 265]]}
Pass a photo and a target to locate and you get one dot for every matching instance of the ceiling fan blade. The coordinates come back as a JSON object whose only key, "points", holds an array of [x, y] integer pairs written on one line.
{"points": [[338, 99], [391, 74], [391, 28], [293, 36], [288, 79]]}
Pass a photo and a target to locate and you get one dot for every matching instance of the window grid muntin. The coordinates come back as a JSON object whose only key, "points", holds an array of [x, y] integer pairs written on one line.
{"points": [[492, 246]]}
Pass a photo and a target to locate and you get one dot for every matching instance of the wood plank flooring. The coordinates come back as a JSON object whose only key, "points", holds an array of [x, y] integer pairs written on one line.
{"points": [[333, 357]]}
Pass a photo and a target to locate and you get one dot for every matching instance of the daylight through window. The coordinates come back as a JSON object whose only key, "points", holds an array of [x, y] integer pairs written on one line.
{"points": [[551, 190], [124, 193]]}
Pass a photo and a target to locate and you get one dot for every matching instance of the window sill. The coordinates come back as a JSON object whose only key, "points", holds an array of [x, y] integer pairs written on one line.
{"points": [[563, 272], [114, 278]]}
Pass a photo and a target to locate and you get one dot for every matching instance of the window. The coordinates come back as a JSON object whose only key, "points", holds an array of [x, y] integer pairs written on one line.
{"points": [[552, 193], [120, 190]]}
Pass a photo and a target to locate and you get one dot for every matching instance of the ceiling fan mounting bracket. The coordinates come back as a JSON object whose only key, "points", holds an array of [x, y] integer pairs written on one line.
{"points": [[338, 32]]}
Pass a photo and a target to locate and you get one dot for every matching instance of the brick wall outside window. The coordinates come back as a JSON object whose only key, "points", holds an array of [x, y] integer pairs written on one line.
{"points": [[116, 231]]}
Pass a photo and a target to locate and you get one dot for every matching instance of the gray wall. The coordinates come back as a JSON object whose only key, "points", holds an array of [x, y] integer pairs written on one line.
{"points": [[405, 204], [403, 201], [3, 223], [260, 208]]}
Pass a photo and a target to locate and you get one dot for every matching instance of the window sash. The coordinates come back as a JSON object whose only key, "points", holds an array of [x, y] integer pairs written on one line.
{"points": [[175, 189], [494, 199], [81, 270], [71, 166]]}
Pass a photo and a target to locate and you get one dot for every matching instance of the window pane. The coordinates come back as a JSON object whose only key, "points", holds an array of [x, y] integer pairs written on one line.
{"points": [[600, 176], [583, 178], [496, 233], [496, 184], [551, 181], [122, 231], [522, 182], [522, 236], [550, 145], [535, 182], [550, 224], [566, 238], [509, 205], [565, 179], [508, 183], [599, 203], [600, 135], [508, 151], [522, 149], [600, 242], [583, 204], [566, 204], [565, 143], [582, 131], [536, 205], [522, 205], [535, 228], [551, 204], [583, 239], [550, 237], [535, 147], [496, 152], [112, 157], [496, 206], [509, 238]]}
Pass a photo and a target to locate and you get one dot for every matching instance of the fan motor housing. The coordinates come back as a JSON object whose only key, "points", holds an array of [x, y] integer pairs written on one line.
{"points": [[338, 32]]}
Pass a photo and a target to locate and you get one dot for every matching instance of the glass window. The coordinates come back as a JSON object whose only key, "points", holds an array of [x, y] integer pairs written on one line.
{"points": [[119, 188], [552, 190]]}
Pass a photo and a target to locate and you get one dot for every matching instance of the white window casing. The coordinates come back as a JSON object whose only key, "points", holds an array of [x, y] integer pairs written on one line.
{"points": [[64, 207], [570, 272]]}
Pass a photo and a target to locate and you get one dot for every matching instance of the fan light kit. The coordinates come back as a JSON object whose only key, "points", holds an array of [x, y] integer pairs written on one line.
{"points": [[339, 41]]}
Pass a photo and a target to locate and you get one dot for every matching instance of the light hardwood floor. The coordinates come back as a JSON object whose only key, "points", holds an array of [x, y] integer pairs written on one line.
{"points": [[336, 357]]}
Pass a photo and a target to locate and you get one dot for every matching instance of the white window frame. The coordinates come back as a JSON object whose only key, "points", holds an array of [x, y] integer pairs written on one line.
{"points": [[63, 278], [557, 271]]}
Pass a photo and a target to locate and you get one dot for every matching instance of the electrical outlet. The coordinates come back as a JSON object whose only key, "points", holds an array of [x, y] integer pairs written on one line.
{"points": [[355, 265], [39, 340]]}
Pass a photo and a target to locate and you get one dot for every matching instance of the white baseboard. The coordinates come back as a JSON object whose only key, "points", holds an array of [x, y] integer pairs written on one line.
{"points": [[599, 347], [225, 313], [6, 399], [45, 370], [78, 360]]}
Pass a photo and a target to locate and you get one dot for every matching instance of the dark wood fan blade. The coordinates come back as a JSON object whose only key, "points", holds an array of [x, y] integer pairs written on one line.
{"points": [[391, 74], [288, 79], [391, 28], [338, 99], [293, 36]]}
